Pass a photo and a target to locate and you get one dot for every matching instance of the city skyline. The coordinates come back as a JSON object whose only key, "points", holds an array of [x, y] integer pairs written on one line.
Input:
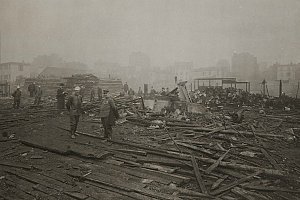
{"points": [[168, 31]]}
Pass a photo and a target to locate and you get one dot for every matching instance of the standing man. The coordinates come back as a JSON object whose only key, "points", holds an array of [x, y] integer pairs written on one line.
{"points": [[17, 97], [82, 90], [99, 94], [126, 88], [38, 95], [140, 92], [31, 89], [92, 95], [60, 96], [108, 114], [74, 107]]}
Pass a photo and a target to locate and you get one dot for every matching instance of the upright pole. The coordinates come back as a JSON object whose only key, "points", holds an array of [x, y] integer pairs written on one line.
{"points": [[249, 87], [264, 87], [297, 90], [0, 47], [280, 88]]}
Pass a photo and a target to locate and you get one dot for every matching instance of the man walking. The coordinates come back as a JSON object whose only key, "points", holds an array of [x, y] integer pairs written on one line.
{"points": [[74, 107], [126, 88], [17, 97], [31, 89], [99, 94], [38, 95], [108, 114], [60, 96]]}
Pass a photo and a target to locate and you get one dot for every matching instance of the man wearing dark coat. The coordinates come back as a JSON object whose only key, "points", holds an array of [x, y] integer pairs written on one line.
{"points": [[108, 114], [74, 107], [31, 89], [17, 97], [60, 96], [38, 95]]}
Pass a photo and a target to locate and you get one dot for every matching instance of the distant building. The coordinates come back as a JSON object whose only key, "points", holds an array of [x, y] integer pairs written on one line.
{"points": [[286, 72], [12, 71], [244, 66], [108, 70], [182, 70], [139, 60], [210, 72], [57, 72]]}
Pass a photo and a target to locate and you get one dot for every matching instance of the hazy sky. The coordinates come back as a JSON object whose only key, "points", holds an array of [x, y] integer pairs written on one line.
{"points": [[201, 31]]}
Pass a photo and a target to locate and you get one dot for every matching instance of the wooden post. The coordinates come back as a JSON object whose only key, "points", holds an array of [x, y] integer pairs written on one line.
{"points": [[194, 85], [264, 87], [297, 90], [249, 87], [280, 88], [246, 86]]}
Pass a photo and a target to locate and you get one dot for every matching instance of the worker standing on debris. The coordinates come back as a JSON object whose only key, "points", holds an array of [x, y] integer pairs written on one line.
{"points": [[38, 95], [108, 114], [74, 107], [140, 92], [99, 94], [31, 89], [126, 88], [92, 95], [17, 97], [82, 90], [60, 96]]}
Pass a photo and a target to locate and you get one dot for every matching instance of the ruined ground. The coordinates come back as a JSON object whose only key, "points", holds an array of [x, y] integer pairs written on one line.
{"points": [[198, 159]]}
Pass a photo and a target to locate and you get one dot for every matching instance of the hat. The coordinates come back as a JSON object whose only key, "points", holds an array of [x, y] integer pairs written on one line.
{"points": [[61, 84], [77, 88], [18, 87], [105, 91]]}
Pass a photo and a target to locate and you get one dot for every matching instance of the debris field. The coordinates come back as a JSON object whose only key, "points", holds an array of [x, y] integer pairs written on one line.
{"points": [[151, 155]]}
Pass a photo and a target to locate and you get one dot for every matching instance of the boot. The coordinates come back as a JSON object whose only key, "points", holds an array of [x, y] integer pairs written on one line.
{"points": [[72, 131]]}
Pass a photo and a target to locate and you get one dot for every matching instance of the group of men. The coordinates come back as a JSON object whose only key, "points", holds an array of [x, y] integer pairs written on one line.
{"points": [[108, 111], [34, 91]]}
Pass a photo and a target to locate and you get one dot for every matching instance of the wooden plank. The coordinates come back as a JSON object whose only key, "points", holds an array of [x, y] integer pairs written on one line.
{"points": [[114, 183], [218, 182], [242, 193], [198, 175], [159, 168], [137, 152], [216, 164], [234, 184], [270, 189], [271, 159], [14, 165], [77, 195], [248, 194], [202, 150]]}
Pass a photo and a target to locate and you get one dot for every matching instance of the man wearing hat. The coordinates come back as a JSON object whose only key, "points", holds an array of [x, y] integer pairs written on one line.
{"points": [[38, 95], [31, 89], [17, 97], [60, 96], [74, 107], [108, 114]]}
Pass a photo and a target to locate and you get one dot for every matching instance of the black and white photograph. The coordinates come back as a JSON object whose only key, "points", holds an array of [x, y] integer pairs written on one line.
{"points": [[149, 99]]}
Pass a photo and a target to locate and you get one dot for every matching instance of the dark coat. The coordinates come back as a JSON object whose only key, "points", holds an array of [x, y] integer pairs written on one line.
{"points": [[17, 94], [74, 105], [109, 110]]}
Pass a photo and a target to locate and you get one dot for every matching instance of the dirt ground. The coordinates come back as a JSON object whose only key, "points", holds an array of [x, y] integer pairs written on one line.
{"points": [[39, 160]]}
